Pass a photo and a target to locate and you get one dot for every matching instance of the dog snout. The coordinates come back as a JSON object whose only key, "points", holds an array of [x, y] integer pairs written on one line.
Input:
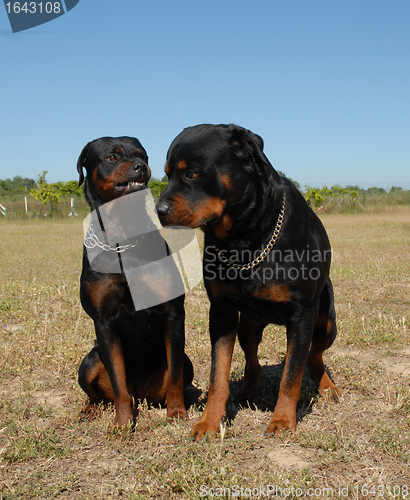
{"points": [[140, 167], [163, 208]]}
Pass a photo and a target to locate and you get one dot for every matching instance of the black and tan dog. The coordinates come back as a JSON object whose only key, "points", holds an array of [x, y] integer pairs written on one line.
{"points": [[137, 354], [266, 256]]}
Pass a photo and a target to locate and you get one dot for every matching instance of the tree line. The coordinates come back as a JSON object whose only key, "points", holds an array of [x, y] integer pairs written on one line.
{"points": [[15, 186], [52, 193]]}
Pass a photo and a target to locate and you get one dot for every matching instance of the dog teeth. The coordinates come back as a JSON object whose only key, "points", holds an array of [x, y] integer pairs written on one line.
{"points": [[134, 183]]}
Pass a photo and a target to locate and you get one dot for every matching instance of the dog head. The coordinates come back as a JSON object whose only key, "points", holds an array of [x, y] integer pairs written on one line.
{"points": [[219, 179], [115, 166]]}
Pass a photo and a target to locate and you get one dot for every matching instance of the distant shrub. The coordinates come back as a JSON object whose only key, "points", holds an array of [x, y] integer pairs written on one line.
{"points": [[157, 187]]}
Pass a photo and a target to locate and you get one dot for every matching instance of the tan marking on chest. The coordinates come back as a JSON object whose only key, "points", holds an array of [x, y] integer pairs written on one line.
{"points": [[274, 293]]}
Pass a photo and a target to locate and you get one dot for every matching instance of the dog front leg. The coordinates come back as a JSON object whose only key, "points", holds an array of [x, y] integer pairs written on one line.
{"points": [[110, 347], [299, 338], [175, 345], [223, 324]]}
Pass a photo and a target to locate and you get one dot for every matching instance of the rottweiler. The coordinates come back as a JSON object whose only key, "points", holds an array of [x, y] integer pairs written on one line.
{"points": [[138, 354], [266, 259]]}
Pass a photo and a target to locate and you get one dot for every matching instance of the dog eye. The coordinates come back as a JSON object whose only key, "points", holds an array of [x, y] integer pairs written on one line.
{"points": [[111, 158], [190, 175]]}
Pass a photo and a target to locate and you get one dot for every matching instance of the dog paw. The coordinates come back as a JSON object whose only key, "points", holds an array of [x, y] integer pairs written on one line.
{"points": [[328, 389], [90, 411], [177, 414], [331, 393], [277, 426], [123, 419], [203, 430]]}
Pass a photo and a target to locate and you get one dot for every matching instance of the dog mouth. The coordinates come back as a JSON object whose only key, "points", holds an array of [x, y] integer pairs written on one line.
{"points": [[208, 222], [127, 187]]}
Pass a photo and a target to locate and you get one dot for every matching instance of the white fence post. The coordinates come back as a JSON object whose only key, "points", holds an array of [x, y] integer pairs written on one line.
{"points": [[73, 212]]}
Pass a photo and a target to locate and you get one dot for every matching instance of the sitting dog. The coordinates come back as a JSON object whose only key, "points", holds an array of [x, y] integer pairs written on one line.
{"points": [[138, 353], [266, 256]]}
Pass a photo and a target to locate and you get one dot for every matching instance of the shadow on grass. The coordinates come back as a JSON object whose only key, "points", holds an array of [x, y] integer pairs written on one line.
{"points": [[266, 397], [267, 393]]}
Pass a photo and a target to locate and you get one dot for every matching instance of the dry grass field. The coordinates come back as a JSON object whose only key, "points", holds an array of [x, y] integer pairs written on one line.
{"points": [[359, 448]]}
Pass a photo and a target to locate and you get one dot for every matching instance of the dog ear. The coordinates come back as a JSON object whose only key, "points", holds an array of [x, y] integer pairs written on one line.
{"points": [[248, 147], [80, 163], [240, 144]]}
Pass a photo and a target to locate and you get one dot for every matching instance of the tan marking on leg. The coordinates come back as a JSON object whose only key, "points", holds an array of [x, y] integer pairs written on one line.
{"points": [[218, 392], [321, 378], [98, 388], [175, 397], [122, 400], [324, 328], [155, 389], [284, 416]]}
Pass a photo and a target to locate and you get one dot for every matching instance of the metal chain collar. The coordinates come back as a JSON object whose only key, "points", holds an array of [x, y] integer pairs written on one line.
{"points": [[92, 241], [265, 252]]}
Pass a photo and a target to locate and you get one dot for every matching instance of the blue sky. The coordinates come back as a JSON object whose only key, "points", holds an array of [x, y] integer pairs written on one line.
{"points": [[326, 84]]}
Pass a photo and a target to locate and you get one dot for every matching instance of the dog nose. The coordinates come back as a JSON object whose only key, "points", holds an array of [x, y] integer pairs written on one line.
{"points": [[140, 166], [163, 209]]}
